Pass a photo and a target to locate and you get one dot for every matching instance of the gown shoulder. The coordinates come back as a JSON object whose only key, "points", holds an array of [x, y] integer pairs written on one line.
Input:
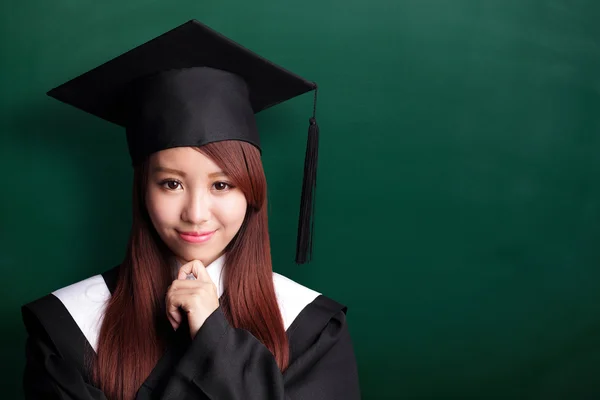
{"points": [[63, 328]]}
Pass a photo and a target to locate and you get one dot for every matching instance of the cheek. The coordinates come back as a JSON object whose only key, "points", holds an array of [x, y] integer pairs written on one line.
{"points": [[160, 209], [233, 210]]}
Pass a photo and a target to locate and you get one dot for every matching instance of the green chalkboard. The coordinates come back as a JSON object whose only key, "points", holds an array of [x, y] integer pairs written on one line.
{"points": [[458, 210]]}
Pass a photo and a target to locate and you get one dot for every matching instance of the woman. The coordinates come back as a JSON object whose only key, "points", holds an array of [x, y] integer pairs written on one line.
{"points": [[194, 311]]}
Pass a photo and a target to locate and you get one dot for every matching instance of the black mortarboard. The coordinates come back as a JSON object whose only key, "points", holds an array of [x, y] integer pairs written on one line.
{"points": [[189, 87]]}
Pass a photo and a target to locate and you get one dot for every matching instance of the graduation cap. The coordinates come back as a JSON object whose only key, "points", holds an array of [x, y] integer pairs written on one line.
{"points": [[191, 86]]}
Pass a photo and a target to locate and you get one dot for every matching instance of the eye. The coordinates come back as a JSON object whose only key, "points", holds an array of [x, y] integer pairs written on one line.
{"points": [[222, 186], [170, 184]]}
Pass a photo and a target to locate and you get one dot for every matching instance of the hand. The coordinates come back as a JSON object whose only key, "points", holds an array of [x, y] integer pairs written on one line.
{"points": [[195, 298]]}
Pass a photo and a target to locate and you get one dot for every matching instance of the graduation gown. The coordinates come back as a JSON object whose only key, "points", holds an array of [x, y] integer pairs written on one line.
{"points": [[221, 362]]}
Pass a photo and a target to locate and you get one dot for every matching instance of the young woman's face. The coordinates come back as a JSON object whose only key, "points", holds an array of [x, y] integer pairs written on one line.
{"points": [[192, 204]]}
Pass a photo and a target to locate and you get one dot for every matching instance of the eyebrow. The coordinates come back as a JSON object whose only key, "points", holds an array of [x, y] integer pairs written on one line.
{"points": [[183, 174]]}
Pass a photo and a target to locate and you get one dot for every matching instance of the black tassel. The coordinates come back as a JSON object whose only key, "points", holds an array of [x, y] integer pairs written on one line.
{"points": [[309, 184]]}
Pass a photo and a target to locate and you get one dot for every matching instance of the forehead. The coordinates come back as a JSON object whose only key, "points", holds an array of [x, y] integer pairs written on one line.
{"points": [[186, 159]]}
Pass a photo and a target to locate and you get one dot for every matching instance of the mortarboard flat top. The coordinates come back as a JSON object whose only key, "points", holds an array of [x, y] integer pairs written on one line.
{"points": [[189, 45]]}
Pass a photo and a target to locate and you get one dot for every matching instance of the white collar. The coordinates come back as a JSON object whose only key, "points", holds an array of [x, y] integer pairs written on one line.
{"points": [[215, 271], [86, 300]]}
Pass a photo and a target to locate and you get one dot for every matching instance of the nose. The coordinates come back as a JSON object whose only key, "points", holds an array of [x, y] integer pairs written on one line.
{"points": [[198, 208]]}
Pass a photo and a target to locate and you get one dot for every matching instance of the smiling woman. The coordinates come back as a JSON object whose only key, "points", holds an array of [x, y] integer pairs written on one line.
{"points": [[237, 330]]}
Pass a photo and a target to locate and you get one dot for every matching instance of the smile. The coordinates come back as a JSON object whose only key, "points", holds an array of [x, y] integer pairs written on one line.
{"points": [[196, 237]]}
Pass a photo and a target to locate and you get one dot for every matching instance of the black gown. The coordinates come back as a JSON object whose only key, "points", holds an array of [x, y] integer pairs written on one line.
{"points": [[220, 363]]}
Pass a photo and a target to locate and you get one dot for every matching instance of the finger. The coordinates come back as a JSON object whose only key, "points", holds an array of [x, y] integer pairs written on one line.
{"points": [[173, 312], [186, 293], [188, 269], [202, 274], [195, 268], [182, 284], [173, 323]]}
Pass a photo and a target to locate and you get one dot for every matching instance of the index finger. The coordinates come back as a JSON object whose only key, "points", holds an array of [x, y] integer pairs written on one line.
{"points": [[194, 268]]}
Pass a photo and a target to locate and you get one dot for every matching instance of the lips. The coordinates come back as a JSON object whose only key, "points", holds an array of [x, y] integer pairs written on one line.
{"points": [[197, 233], [196, 237]]}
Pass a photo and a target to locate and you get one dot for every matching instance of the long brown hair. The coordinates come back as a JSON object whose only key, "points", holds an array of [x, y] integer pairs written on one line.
{"points": [[125, 356]]}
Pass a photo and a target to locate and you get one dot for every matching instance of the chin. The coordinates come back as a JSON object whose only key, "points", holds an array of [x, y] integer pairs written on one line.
{"points": [[206, 257]]}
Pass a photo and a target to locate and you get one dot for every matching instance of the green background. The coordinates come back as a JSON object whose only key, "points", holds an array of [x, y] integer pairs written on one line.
{"points": [[458, 198]]}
